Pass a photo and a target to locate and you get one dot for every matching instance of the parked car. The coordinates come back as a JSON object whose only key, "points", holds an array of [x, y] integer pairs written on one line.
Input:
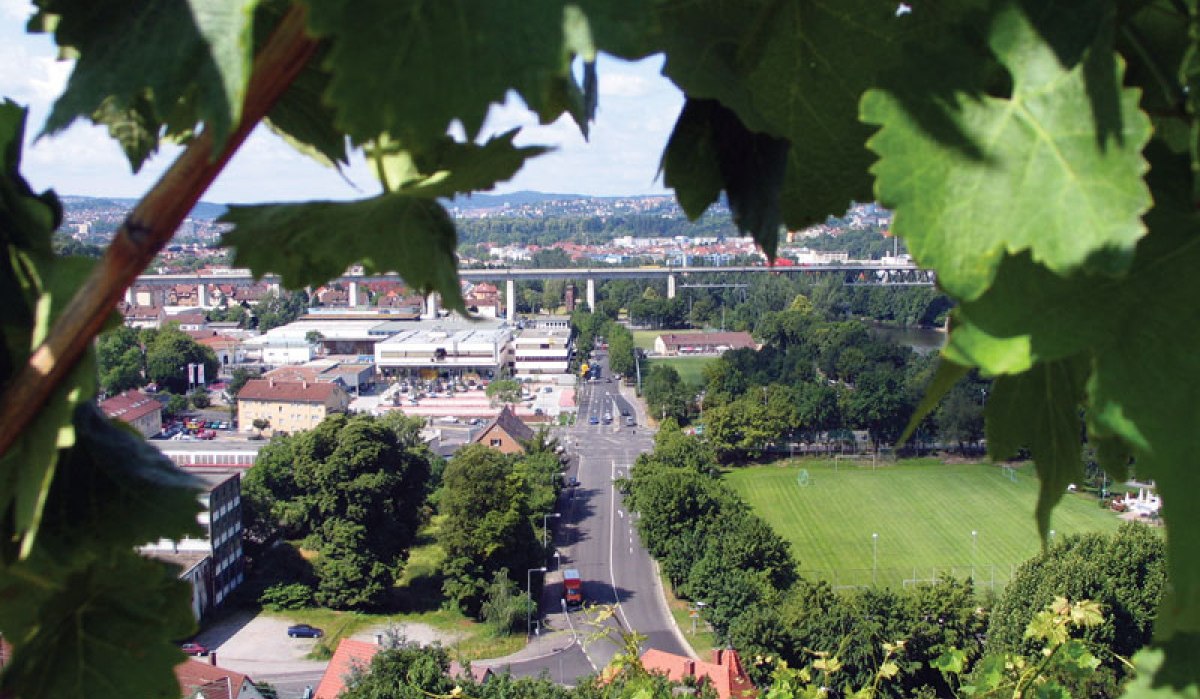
{"points": [[304, 631], [572, 482], [193, 649], [630, 422], [593, 420]]}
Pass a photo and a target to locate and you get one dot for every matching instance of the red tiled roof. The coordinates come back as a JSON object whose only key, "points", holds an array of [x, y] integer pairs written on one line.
{"points": [[287, 391], [349, 654], [130, 405], [725, 674], [211, 681], [508, 421]]}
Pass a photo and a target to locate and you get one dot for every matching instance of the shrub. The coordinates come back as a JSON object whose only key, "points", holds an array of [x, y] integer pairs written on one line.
{"points": [[283, 596]]}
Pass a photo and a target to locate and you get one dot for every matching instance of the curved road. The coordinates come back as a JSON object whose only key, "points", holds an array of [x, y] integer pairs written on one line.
{"points": [[598, 537]]}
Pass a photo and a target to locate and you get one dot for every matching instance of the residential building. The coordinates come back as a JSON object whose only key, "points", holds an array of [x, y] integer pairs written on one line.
{"points": [[350, 655], [673, 344], [289, 406], [142, 412], [205, 680], [505, 433], [725, 673]]}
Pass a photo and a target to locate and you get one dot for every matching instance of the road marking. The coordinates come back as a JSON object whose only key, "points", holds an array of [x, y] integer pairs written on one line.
{"points": [[612, 543]]}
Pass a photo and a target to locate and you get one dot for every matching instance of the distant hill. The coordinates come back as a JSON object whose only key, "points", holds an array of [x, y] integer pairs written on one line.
{"points": [[203, 210], [522, 198]]}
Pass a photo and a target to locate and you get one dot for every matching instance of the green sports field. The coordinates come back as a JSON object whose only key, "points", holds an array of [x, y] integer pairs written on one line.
{"points": [[691, 369], [923, 512]]}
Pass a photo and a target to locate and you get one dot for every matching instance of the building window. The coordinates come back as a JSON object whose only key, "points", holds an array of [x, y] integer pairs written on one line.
{"points": [[495, 442]]}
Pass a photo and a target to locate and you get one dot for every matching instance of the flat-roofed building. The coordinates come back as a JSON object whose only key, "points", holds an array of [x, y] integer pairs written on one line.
{"points": [[539, 351], [221, 519], [288, 406], [448, 348]]}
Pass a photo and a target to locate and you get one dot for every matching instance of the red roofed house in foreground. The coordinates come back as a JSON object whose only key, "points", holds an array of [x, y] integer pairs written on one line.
{"points": [[350, 654], [201, 680], [725, 673]]}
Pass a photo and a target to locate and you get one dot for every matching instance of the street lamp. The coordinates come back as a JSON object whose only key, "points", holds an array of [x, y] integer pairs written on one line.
{"points": [[874, 557], [529, 593], [974, 550], [546, 518]]}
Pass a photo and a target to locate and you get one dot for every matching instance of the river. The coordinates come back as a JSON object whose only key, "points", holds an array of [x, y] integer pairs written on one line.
{"points": [[921, 340]]}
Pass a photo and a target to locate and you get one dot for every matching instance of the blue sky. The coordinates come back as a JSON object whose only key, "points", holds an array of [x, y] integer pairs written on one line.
{"points": [[636, 111]]}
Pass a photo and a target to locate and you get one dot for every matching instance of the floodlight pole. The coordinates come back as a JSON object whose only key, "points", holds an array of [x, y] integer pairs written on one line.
{"points": [[874, 558], [974, 550]]}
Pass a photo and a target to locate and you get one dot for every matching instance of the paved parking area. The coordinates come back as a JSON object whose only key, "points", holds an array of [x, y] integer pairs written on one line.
{"points": [[259, 645]]}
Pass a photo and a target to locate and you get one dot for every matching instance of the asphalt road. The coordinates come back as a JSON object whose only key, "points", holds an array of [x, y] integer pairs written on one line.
{"points": [[597, 536]]}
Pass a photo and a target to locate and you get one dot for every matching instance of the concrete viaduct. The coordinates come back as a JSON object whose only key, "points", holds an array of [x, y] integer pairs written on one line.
{"points": [[853, 273]]}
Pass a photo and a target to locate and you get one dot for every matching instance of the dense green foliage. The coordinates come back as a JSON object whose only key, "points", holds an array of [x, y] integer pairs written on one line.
{"points": [[1124, 572], [130, 358], [354, 490], [493, 505], [1041, 157]]}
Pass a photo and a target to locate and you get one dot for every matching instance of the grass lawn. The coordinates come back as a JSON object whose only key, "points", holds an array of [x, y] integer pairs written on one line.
{"points": [[691, 369], [419, 596], [923, 511], [702, 640]]}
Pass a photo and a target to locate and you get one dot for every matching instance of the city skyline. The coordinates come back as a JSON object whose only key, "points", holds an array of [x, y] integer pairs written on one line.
{"points": [[637, 108]]}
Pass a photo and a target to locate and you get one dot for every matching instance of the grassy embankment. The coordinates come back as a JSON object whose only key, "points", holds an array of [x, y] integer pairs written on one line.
{"points": [[420, 601], [923, 511]]}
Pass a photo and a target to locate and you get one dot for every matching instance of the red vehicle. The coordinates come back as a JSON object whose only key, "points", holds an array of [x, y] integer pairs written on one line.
{"points": [[572, 587]]}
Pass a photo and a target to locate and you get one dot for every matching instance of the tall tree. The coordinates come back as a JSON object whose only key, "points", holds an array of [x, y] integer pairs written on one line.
{"points": [[168, 355], [487, 524]]}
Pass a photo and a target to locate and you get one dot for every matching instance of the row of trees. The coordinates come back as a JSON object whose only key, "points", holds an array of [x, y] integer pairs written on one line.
{"points": [[354, 490], [713, 549], [814, 380]]}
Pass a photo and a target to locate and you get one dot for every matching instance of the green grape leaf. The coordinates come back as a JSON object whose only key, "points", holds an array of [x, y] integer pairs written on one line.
{"points": [[1040, 410], [1044, 177], [433, 62], [116, 491], [1141, 331], [142, 59], [134, 128], [301, 116], [103, 630], [31, 462], [311, 243], [690, 163], [807, 90], [1154, 679], [449, 167], [710, 150], [944, 378]]}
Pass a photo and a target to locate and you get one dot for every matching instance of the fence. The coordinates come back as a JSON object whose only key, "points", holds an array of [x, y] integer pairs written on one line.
{"points": [[987, 577]]}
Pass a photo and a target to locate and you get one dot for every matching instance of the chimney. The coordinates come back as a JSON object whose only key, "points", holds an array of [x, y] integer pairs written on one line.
{"points": [[689, 668], [304, 384], [271, 381], [212, 658], [379, 640]]}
